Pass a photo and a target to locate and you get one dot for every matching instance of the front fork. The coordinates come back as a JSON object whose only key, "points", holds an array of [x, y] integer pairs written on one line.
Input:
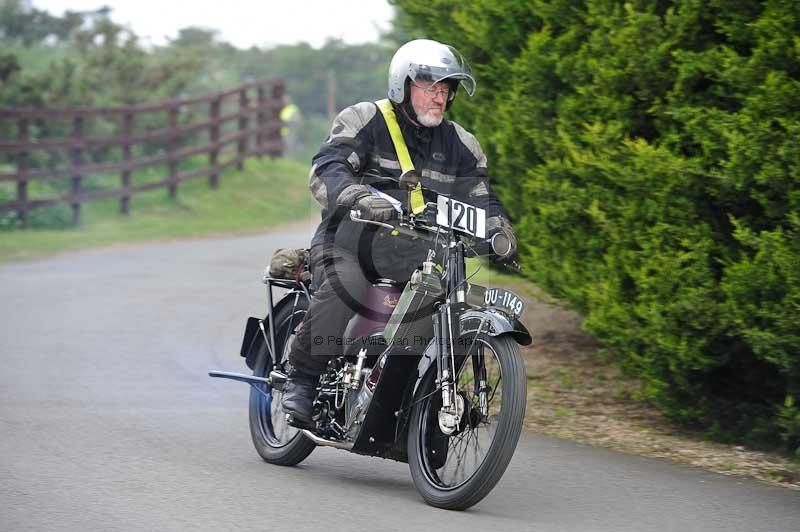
{"points": [[451, 414], [444, 354], [481, 387], [445, 321]]}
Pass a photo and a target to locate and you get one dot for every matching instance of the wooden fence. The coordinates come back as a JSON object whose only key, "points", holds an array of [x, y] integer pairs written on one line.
{"points": [[65, 146]]}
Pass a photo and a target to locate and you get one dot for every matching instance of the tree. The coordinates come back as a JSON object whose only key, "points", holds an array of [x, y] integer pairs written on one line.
{"points": [[28, 25], [655, 145]]}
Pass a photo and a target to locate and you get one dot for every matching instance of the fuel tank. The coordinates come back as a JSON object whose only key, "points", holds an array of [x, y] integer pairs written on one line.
{"points": [[381, 300]]}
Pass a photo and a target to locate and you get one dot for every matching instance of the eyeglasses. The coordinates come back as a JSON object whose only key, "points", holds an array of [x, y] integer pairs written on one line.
{"points": [[432, 91]]}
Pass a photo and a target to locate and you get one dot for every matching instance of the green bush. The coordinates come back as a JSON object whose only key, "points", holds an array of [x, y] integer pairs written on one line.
{"points": [[655, 144]]}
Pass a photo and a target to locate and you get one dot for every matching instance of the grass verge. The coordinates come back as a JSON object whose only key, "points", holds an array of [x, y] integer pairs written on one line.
{"points": [[577, 392], [264, 194]]}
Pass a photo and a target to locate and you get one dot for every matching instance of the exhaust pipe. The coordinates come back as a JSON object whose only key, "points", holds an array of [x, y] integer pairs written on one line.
{"points": [[326, 443]]}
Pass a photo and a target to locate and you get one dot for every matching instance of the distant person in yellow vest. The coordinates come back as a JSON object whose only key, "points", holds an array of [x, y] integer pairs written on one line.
{"points": [[359, 155], [291, 127]]}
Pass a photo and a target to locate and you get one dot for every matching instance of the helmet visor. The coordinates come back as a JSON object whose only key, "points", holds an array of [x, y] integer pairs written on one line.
{"points": [[451, 66]]}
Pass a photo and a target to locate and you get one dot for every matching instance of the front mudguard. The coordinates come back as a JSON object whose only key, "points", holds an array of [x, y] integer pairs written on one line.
{"points": [[498, 323], [495, 323]]}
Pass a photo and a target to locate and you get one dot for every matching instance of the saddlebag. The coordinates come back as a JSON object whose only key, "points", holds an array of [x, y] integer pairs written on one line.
{"points": [[290, 264]]}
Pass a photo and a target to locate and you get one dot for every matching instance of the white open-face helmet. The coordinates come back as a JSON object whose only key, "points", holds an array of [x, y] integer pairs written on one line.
{"points": [[426, 60]]}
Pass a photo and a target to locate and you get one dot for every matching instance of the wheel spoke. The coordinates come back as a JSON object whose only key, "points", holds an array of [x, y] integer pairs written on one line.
{"points": [[468, 448]]}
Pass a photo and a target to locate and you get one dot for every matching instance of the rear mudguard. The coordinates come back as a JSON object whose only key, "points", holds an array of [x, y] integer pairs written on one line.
{"points": [[257, 329], [495, 323]]}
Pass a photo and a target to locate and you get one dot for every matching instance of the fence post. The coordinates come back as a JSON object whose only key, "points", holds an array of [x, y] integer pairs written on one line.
{"points": [[213, 133], [261, 118], [173, 147], [243, 122], [77, 160], [127, 131], [22, 169], [278, 91]]}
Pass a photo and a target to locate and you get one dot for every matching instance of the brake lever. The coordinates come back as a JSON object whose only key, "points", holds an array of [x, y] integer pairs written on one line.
{"points": [[355, 216], [508, 263], [513, 265], [406, 227]]}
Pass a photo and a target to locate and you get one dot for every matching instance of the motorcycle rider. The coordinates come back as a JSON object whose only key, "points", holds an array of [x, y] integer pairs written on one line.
{"points": [[355, 162]]}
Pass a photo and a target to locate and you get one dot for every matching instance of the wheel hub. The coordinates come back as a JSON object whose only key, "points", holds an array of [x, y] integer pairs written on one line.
{"points": [[450, 419]]}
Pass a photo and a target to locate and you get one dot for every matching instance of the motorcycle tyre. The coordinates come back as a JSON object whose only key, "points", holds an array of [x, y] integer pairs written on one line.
{"points": [[299, 447], [502, 447]]}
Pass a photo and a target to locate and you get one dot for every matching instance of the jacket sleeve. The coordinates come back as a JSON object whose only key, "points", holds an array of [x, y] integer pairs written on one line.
{"points": [[343, 154], [472, 183]]}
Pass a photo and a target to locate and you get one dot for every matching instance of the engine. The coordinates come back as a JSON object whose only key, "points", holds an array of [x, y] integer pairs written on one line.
{"points": [[345, 394]]}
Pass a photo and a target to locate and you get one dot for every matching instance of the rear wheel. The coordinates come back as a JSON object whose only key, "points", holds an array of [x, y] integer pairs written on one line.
{"points": [[276, 441], [456, 471]]}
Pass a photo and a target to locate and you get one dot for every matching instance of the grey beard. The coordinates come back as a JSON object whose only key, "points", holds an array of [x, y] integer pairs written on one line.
{"points": [[429, 121]]}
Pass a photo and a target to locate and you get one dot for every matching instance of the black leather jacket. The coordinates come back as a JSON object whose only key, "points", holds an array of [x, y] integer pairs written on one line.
{"points": [[359, 150]]}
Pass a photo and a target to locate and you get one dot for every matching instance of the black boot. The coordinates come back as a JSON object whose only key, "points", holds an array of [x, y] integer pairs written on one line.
{"points": [[298, 398]]}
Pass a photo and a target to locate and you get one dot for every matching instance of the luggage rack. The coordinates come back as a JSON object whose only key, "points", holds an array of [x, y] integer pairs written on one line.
{"points": [[256, 326], [287, 284]]}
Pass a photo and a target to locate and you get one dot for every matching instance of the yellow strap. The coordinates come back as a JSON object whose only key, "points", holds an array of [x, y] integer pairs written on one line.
{"points": [[399, 142], [416, 199]]}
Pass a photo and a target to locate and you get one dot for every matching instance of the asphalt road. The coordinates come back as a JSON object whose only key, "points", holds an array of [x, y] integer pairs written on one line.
{"points": [[109, 422]]}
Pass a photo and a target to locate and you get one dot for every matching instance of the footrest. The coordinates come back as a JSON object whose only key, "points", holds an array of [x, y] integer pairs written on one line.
{"points": [[299, 423]]}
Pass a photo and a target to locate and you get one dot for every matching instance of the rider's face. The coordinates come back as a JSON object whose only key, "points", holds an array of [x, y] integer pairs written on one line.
{"points": [[429, 101]]}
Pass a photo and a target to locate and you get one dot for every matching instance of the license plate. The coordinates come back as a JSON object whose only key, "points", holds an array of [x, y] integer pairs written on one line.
{"points": [[461, 216], [504, 300]]}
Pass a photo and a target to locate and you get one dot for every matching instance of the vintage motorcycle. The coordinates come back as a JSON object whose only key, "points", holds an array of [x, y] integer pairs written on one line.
{"points": [[450, 405]]}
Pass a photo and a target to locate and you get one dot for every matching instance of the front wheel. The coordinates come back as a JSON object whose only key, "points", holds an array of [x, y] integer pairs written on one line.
{"points": [[276, 441], [456, 471]]}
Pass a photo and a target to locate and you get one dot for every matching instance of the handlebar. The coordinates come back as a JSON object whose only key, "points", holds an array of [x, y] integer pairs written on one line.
{"points": [[424, 227]]}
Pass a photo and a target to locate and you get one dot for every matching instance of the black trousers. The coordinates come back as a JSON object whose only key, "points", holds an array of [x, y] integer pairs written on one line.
{"points": [[341, 289]]}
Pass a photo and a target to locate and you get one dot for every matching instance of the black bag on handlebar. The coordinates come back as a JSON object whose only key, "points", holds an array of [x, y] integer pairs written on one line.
{"points": [[289, 264]]}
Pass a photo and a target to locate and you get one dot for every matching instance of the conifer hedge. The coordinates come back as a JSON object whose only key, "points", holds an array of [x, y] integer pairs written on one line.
{"points": [[649, 154]]}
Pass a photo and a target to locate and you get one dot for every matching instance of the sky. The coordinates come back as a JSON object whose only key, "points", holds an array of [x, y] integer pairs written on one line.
{"points": [[244, 23]]}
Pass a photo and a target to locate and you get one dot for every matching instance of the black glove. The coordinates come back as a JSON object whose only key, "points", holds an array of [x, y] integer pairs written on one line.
{"points": [[371, 207]]}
